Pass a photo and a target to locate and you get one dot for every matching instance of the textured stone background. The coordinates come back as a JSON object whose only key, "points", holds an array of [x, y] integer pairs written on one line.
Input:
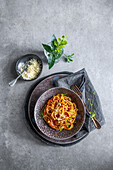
{"points": [[24, 25]]}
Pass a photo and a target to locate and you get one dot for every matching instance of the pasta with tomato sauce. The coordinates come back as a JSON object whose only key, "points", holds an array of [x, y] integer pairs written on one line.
{"points": [[60, 112]]}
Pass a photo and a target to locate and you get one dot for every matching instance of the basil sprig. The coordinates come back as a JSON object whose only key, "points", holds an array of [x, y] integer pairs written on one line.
{"points": [[56, 49]]}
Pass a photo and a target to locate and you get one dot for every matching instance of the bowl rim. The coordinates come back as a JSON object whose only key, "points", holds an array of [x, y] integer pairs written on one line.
{"points": [[18, 61], [84, 117]]}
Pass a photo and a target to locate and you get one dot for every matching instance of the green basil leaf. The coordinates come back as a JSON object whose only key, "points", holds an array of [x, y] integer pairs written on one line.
{"points": [[64, 42], [51, 60], [94, 93], [60, 128], [64, 37], [61, 46], [91, 112], [59, 50], [56, 43], [53, 38], [71, 55], [59, 40], [69, 58], [67, 125], [93, 115], [47, 48], [42, 115], [64, 94]]}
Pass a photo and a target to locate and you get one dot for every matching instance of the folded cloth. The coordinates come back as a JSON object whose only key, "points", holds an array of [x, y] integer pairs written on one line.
{"points": [[82, 81]]}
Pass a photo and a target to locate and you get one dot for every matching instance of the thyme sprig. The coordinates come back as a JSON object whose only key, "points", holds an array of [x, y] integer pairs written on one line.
{"points": [[92, 113], [64, 94], [60, 129], [42, 113]]}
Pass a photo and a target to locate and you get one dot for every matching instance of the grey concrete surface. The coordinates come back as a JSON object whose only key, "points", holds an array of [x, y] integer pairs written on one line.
{"points": [[24, 25]]}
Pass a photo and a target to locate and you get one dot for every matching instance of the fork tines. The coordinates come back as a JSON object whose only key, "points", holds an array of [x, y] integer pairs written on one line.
{"points": [[76, 89]]}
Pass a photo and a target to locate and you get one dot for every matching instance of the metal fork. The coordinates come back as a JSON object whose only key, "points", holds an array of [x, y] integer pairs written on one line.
{"points": [[77, 90]]}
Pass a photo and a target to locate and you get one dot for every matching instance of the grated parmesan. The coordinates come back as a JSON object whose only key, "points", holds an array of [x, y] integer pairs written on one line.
{"points": [[32, 70]]}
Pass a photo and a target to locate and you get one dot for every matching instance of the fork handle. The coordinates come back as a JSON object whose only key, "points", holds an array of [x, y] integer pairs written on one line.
{"points": [[95, 121]]}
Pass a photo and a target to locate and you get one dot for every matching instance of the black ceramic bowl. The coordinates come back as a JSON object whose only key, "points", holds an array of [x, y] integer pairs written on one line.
{"points": [[45, 128], [25, 59]]}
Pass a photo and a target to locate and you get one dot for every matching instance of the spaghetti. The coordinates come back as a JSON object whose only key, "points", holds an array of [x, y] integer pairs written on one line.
{"points": [[60, 112]]}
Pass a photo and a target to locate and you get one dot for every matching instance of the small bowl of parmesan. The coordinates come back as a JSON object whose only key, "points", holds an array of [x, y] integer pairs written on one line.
{"points": [[34, 67]]}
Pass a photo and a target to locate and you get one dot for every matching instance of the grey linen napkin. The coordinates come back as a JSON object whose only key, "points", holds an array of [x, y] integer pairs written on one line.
{"points": [[83, 82]]}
